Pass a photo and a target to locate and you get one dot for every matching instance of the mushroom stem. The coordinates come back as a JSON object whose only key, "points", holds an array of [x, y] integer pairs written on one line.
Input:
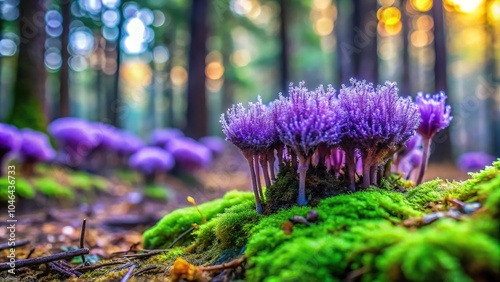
{"points": [[302, 170], [426, 145], [265, 169], [258, 206], [373, 174], [351, 168], [257, 175], [366, 171], [270, 161]]}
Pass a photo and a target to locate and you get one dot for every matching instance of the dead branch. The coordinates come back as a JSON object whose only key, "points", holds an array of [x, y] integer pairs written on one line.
{"points": [[41, 260], [232, 264], [128, 274], [82, 238], [18, 244]]}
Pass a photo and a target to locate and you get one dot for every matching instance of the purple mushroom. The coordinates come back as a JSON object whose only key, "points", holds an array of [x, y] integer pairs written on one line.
{"points": [[189, 154], [161, 137], [474, 161], [9, 142], [215, 144], [435, 116], [35, 147], [252, 130], [76, 138], [304, 120], [378, 123], [151, 161], [128, 143]]}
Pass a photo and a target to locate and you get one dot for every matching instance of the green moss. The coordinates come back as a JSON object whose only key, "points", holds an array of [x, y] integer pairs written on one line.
{"points": [[283, 194], [368, 234], [23, 189], [178, 221], [445, 251], [86, 182], [52, 188], [156, 192]]}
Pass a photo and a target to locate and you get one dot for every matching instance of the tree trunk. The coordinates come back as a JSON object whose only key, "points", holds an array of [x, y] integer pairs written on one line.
{"points": [[442, 151], [405, 80], [345, 44], [115, 97], [28, 108], [365, 40], [284, 47], [197, 115], [493, 81], [64, 72]]}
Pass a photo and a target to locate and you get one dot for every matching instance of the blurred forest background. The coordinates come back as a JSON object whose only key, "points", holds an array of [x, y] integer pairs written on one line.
{"points": [[178, 63]]}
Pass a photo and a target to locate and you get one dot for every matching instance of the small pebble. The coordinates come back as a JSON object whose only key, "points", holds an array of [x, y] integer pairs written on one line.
{"points": [[454, 213], [433, 216], [471, 207], [312, 216]]}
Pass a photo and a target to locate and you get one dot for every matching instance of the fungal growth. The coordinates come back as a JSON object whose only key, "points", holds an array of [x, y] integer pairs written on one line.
{"points": [[362, 129], [9, 143], [151, 162], [35, 147], [435, 116]]}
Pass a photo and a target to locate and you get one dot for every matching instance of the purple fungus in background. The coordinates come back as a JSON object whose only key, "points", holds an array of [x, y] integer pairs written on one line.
{"points": [[151, 161], [336, 160], [161, 137], [189, 154], [378, 122], [35, 147], [75, 138], [10, 141], [304, 120], [109, 137], [128, 143], [413, 143], [253, 131], [435, 116], [412, 161], [215, 144], [474, 161]]}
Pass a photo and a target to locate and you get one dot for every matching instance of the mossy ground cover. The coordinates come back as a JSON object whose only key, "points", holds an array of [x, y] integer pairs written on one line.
{"points": [[371, 235]]}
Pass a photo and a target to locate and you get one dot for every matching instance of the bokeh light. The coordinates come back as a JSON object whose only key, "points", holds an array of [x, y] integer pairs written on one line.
{"points": [[81, 41], [110, 18], [214, 70], [178, 75], [422, 5], [465, 6], [494, 12], [10, 11], [53, 60], [136, 73], [53, 25], [8, 47], [323, 26], [241, 58]]}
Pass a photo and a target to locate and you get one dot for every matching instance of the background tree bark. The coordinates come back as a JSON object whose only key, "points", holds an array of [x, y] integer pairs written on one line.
{"points": [[284, 47], [64, 106], [28, 109], [442, 150], [197, 114]]}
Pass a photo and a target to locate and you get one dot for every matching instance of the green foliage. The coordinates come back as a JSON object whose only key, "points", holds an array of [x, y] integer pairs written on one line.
{"points": [[27, 110], [156, 192], [53, 189], [178, 221], [23, 189], [86, 182]]}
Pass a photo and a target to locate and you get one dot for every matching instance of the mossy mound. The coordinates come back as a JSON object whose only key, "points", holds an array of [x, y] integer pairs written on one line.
{"points": [[178, 221], [372, 235], [156, 192], [319, 185], [53, 189], [87, 182]]}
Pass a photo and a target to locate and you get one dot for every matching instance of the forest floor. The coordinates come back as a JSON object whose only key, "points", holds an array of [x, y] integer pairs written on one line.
{"points": [[117, 218]]}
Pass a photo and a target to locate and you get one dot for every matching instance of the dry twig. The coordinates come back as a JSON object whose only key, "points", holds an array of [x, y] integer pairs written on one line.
{"points": [[46, 259]]}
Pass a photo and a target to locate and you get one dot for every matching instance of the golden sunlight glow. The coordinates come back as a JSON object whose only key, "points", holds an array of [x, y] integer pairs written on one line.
{"points": [[241, 58], [424, 22], [393, 29], [213, 56], [214, 70], [420, 38], [321, 4], [465, 6], [422, 5], [494, 12], [386, 3], [323, 26], [390, 16], [136, 73], [178, 75]]}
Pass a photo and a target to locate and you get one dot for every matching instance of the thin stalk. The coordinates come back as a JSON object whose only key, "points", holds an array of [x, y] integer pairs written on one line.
{"points": [[426, 144], [351, 168], [257, 175], [302, 170], [293, 157], [373, 174], [388, 166], [265, 169], [258, 206], [366, 171], [270, 161]]}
